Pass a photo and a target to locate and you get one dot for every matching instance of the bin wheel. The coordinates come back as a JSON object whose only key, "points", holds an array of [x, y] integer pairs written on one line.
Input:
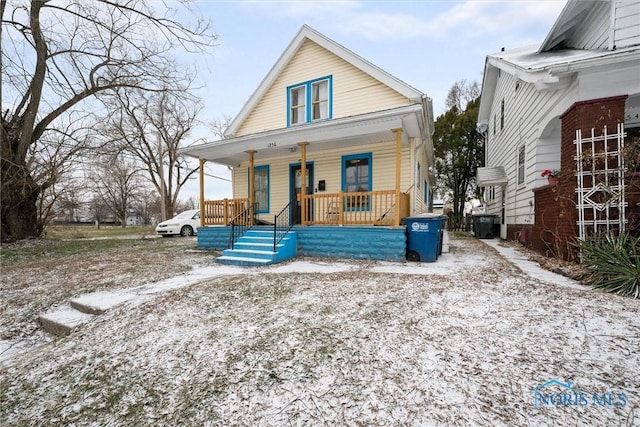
{"points": [[413, 256]]}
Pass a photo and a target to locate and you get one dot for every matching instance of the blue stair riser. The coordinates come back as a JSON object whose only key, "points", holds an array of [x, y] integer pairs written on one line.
{"points": [[242, 253], [259, 246], [244, 262]]}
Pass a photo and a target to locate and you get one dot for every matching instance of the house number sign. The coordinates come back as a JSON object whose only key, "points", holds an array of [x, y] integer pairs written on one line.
{"points": [[271, 145]]}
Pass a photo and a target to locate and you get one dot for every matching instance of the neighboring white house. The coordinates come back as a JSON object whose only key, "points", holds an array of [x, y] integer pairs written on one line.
{"points": [[591, 53]]}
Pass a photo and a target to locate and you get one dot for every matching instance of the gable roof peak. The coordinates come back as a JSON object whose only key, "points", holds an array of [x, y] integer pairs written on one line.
{"points": [[307, 33]]}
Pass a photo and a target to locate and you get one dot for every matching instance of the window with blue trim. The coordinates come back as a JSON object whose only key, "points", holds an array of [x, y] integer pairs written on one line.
{"points": [[356, 178], [261, 187], [309, 101]]}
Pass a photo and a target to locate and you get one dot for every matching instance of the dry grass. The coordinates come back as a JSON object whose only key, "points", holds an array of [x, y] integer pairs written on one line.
{"points": [[352, 348], [40, 274]]}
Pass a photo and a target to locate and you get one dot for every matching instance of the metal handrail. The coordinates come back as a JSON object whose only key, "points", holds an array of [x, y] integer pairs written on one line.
{"points": [[282, 224], [243, 222]]}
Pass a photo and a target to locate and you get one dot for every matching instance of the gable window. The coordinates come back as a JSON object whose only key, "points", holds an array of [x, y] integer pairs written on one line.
{"points": [[297, 109], [320, 100], [502, 115], [521, 165], [356, 178], [261, 187], [419, 175], [309, 101]]}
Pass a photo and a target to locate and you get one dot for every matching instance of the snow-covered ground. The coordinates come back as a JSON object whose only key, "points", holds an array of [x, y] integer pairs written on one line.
{"points": [[462, 341]]}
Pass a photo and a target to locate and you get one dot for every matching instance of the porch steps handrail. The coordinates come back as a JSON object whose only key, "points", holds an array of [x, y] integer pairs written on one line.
{"points": [[243, 222], [282, 224]]}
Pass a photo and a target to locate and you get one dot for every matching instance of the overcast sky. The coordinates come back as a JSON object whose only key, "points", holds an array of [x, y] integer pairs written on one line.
{"points": [[427, 44]]}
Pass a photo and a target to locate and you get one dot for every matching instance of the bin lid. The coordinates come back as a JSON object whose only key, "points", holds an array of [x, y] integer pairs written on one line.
{"points": [[426, 215]]}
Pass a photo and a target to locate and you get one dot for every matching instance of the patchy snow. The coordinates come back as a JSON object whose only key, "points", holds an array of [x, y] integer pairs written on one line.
{"points": [[462, 341], [308, 266], [530, 267]]}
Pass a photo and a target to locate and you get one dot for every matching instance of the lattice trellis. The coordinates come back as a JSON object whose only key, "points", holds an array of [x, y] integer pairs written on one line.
{"points": [[600, 172]]}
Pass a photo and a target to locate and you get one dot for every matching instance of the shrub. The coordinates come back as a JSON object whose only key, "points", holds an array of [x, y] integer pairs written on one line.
{"points": [[613, 263]]}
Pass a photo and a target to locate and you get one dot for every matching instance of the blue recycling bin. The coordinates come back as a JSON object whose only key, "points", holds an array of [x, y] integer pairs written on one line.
{"points": [[424, 237]]}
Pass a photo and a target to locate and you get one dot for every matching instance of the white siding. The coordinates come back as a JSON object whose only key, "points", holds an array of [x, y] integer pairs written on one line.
{"points": [[593, 30], [354, 92], [327, 166], [627, 23], [527, 112]]}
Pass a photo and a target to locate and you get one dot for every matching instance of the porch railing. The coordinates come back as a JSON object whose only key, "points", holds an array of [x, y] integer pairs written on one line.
{"points": [[282, 223], [362, 208], [242, 222], [221, 212]]}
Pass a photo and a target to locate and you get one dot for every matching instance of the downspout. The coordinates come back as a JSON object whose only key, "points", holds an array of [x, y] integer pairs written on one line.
{"points": [[201, 160]]}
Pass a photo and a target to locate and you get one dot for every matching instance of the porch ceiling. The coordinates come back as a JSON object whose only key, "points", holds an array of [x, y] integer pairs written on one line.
{"points": [[350, 131]]}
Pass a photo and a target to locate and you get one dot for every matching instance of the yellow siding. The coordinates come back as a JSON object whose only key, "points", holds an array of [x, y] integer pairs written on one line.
{"points": [[327, 166], [354, 92]]}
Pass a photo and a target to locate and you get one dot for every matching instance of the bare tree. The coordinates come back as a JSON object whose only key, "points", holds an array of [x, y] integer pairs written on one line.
{"points": [[220, 125], [98, 209], [152, 127], [66, 53], [118, 184], [461, 93]]}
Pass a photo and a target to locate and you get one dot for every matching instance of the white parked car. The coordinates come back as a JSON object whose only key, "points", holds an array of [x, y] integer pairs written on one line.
{"points": [[183, 224]]}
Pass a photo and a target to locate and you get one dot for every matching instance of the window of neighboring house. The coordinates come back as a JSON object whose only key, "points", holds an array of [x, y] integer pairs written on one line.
{"points": [[494, 124], [521, 164], [356, 177], [419, 180], [502, 115], [309, 101], [425, 196], [261, 187]]}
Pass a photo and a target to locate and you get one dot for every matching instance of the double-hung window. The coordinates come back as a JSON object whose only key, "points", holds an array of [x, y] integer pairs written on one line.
{"points": [[309, 101], [521, 156], [297, 105], [356, 178]]}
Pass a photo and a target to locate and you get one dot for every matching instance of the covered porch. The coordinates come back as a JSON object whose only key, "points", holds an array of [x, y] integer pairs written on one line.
{"points": [[350, 177]]}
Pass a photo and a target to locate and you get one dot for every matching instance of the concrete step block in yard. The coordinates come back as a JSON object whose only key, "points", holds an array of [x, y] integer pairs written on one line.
{"points": [[63, 321], [84, 308], [100, 302]]}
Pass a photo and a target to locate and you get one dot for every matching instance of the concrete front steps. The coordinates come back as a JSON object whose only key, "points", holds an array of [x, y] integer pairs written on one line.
{"points": [[255, 248]]}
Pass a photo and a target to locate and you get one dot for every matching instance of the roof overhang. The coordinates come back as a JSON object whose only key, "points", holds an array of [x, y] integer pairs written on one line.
{"points": [[494, 175], [546, 70], [349, 131]]}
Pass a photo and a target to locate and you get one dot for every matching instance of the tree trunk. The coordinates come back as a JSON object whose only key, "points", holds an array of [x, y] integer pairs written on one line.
{"points": [[19, 195]]}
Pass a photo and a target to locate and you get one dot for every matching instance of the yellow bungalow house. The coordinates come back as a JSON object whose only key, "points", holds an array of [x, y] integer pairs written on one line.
{"points": [[329, 153]]}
